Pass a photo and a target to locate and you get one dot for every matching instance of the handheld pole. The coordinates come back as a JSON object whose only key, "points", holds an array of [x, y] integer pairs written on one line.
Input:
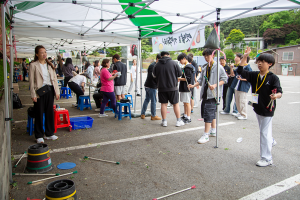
{"points": [[193, 187], [75, 172]]}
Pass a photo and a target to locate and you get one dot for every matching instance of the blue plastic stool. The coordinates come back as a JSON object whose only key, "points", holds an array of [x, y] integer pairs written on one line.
{"points": [[131, 99], [108, 108], [30, 124], [84, 101], [65, 92], [119, 110]]}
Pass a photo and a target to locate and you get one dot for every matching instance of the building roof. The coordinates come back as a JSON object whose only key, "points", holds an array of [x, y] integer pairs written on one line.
{"points": [[274, 49]]}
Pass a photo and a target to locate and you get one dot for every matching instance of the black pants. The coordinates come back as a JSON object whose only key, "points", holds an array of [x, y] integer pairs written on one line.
{"points": [[76, 88], [66, 80], [43, 105], [98, 99], [225, 87], [24, 75]]}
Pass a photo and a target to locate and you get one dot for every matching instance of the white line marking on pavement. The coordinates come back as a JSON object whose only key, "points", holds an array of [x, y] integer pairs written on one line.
{"points": [[274, 189], [293, 102], [127, 139]]}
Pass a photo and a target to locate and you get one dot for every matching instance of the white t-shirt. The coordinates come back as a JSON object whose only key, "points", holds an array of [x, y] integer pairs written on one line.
{"points": [[46, 75], [133, 71], [78, 79]]}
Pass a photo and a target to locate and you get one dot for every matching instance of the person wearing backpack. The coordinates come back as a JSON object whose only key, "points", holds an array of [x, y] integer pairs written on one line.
{"points": [[43, 88]]}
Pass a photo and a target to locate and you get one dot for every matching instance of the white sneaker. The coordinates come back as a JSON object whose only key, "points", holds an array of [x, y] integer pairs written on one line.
{"points": [[53, 137], [224, 113], [97, 110], [264, 163], [164, 123], [238, 115], [212, 134], [102, 115], [40, 140], [203, 139], [234, 114], [274, 143], [242, 117], [179, 123], [74, 105]]}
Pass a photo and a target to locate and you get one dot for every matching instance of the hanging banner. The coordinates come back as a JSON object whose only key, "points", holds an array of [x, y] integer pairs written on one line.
{"points": [[179, 41]]}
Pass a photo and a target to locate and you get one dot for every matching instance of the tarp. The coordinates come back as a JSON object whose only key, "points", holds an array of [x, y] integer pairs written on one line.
{"points": [[119, 22]]}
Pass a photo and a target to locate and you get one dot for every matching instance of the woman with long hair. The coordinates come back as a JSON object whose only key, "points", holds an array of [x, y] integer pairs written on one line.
{"points": [[107, 87], [67, 69], [43, 88], [96, 69], [134, 69]]}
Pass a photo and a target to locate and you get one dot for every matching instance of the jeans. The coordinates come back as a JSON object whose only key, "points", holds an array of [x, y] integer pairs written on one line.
{"points": [[150, 95], [229, 95]]}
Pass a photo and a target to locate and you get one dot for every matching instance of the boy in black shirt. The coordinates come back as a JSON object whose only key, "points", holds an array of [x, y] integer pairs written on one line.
{"points": [[185, 80], [225, 86], [263, 82]]}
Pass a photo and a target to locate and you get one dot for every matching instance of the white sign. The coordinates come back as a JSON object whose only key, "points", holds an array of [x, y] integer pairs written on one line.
{"points": [[179, 41]]}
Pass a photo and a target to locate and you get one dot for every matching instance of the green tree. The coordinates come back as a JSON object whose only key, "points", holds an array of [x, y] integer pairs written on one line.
{"points": [[222, 43], [277, 20], [111, 51], [95, 53], [229, 55], [236, 36], [146, 48], [291, 36]]}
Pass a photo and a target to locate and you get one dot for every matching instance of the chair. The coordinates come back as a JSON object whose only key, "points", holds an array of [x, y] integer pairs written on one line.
{"points": [[65, 122], [65, 92], [131, 99], [108, 107], [84, 101], [30, 124], [119, 112]]}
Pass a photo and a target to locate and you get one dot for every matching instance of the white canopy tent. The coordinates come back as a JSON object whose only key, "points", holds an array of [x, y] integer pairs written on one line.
{"points": [[90, 23]]}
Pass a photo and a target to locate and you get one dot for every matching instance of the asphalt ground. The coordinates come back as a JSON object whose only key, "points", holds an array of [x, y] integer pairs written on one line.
{"points": [[155, 160]]}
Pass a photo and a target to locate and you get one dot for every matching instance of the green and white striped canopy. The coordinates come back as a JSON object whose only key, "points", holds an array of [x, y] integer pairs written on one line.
{"points": [[93, 24]]}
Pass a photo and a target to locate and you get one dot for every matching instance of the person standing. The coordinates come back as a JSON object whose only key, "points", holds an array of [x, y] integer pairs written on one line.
{"points": [[167, 72], [263, 84], [120, 82], [96, 69], [133, 71], [67, 69], [43, 89], [76, 84], [25, 69], [225, 86], [107, 87], [208, 105], [194, 102], [151, 90]]}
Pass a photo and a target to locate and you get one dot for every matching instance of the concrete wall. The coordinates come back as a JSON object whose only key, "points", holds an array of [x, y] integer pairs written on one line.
{"points": [[4, 180]]}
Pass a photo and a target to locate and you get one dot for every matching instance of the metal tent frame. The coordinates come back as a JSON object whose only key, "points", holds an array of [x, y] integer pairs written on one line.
{"points": [[113, 36]]}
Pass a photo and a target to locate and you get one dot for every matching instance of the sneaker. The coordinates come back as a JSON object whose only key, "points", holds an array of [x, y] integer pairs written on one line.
{"points": [[274, 143], [187, 121], [192, 111], [102, 115], [242, 117], [224, 113], [40, 140], [234, 114], [142, 116], [155, 118], [179, 123], [164, 123], [52, 137], [74, 105], [138, 95], [212, 134], [238, 115], [195, 106], [97, 110], [264, 163], [203, 139]]}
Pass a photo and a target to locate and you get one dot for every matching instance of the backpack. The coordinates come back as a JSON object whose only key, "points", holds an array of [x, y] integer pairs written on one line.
{"points": [[125, 101], [133, 50], [17, 101]]}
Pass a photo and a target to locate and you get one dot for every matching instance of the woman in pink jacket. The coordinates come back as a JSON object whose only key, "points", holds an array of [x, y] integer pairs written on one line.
{"points": [[107, 87]]}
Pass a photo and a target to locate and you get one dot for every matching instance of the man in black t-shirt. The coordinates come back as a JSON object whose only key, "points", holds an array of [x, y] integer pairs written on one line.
{"points": [[225, 86]]}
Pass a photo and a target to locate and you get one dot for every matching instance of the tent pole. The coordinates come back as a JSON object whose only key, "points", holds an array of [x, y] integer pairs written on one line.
{"points": [[11, 69], [7, 118], [141, 72], [218, 75]]}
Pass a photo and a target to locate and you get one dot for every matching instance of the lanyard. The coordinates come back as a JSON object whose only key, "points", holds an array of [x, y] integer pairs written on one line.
{"points": [[261, 83], [210, 69]]}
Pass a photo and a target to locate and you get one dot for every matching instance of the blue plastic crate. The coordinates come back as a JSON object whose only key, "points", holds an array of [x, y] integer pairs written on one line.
{"points": [[81, 122]]}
